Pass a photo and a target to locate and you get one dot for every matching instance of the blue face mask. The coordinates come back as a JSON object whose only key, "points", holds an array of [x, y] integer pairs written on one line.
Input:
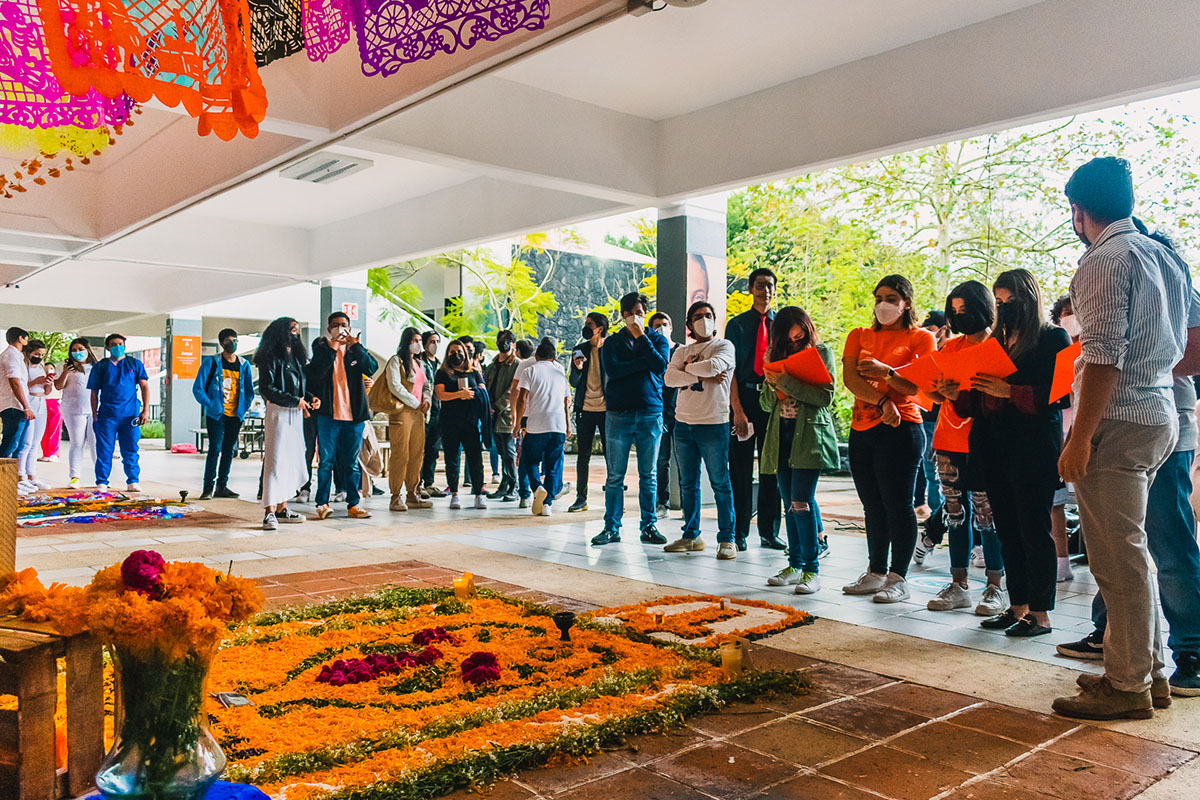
{"points": [[116, 351], [79, 355]]}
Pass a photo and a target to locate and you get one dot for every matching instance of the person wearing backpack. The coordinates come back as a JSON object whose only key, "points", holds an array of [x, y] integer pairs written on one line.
{"points": [[224, 388]]}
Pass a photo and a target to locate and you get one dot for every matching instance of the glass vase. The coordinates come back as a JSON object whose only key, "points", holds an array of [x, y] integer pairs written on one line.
{"points": [[163, 749]]}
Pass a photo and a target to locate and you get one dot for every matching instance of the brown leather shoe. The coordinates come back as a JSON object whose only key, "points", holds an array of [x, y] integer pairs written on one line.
{"points": [[1160, 688], [1099, 700]]}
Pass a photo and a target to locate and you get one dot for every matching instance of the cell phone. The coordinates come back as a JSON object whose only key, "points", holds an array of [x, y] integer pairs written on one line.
{"points": [[355, 333], [463, 384], [232, 699]]}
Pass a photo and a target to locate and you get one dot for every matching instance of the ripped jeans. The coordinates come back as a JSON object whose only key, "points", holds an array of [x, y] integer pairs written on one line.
{"points": [[798, 489], [966, 511]]}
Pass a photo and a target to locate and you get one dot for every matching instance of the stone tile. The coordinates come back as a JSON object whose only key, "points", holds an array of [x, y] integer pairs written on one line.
{"points": [[863, 718], [1071, 779], [923, 700], [896, 774], [505, 790], [1130, 753], [284, 552], [995, 789], [735, 718], [790, 704], [723, 770], [1011, 723], [643, 749], [845, 680], [321, 585], [962, 748], [814, 787], [272, 592], [800, 742], [765, 657], [551, 780], [633, 784]]}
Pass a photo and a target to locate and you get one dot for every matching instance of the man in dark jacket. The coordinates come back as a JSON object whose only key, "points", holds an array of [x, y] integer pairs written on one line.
{"points": [[339, 375], [661, 322], [635, 360], [587, 380]]}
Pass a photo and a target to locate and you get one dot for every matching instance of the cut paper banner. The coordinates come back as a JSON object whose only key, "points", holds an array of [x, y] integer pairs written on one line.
{"points": [[988, 358], [326, 27], [1064, 371], [275, 29], [922, 372], [805, 366]]}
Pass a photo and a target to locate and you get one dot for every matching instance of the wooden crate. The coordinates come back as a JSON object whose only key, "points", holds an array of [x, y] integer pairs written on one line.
{"points": [[29, 670]]}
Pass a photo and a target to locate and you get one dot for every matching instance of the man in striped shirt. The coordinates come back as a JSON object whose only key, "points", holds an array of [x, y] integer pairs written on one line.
{"points": [[1131, 297]]}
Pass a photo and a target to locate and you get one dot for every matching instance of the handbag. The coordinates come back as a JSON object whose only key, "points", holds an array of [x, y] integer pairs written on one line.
{"points": [[381, 400]]}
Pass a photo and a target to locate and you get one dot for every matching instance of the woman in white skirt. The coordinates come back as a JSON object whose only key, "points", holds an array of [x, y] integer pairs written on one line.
{"points": [[76, 406], [280, 360], [40, 380]]}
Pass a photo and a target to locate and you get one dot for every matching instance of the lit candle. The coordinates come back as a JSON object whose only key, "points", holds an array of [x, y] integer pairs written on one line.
{"points": [[731, 659], [464, 587], [659, 617]]}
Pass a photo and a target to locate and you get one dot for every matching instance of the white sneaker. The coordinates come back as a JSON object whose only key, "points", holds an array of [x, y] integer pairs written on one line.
{"points": [[73, 482], [545, 511], [22, 489], [1064, 570], [993, 602], [270, 522], [894, 589], [132, 487], [340, 497], [101, 487], [479, 502], [566, 487], [539, 500], [661, 511], [40, 484], [726, 551], [810, 583], [953, 596], [867, 583], [788, 576], [924, 547], [977, 559], [454, 501], [26, 486]]}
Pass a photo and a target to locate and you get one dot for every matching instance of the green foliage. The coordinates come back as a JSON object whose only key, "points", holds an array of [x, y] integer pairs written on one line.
{"points": [[56, 345], [399, 297], [503, 295], [154, 429]]}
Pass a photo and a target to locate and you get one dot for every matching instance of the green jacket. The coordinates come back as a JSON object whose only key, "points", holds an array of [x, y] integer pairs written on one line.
{"points": [[815, 445]]}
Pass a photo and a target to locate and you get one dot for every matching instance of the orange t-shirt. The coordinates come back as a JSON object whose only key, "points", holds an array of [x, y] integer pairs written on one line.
{"points": [[894, 348], [341, 387], [953, 431]]}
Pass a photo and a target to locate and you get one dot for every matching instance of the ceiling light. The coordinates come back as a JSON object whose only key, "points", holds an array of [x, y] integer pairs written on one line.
{"points": [[325, 167]]}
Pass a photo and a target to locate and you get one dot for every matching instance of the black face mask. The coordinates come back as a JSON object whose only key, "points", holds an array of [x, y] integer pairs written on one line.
{"points": [[229, 345], [35, 359], [504, 345], [1006, 314], [968, 323], [456, 359], [588, 332]]}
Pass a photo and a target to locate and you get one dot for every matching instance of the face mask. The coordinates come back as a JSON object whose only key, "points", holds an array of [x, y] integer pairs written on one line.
{"points": [[637, 319], [1082, 236], [504, 346], [79, 355], [705, 327], [229, 345], [35, 359], [1070, 324], [968, 323], [337, 333], [456, 359], [1006, 314], [414, 348], [888, 313], [117, 351], [588, 332]]}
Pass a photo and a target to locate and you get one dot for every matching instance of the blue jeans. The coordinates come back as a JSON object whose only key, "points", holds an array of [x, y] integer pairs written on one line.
{"points": [[966, 512], [339, 443], [542, 454], [109, 431], [622, 430], [798, 487], [1171, 538], [14, 432], [709, 443], [929, 470], [222, 441]]}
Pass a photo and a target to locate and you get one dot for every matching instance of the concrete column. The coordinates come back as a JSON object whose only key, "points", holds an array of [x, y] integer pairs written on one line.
{"points": [[348, 297], [181, 360], [691, 259]]}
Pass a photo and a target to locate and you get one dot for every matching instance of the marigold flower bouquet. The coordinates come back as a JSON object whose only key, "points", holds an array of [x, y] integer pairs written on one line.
{"points": [[162, 621]]}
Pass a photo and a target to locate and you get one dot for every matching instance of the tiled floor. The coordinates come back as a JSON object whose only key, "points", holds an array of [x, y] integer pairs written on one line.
{"points": [[856, 736]]}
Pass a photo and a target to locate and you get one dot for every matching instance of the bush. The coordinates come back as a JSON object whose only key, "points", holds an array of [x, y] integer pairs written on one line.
{"points": [[154, 429]]}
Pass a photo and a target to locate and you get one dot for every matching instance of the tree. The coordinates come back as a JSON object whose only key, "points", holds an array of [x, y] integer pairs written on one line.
{"points": [[56, 344], [400, 298]]}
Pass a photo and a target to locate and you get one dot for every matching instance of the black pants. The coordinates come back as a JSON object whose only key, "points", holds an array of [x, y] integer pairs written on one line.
{"points": [[464, 434], [884, 463], [587, 425], [222, 441], [433, 443], [506, 445], [1021, 513], [742, 472], [666, 451]]}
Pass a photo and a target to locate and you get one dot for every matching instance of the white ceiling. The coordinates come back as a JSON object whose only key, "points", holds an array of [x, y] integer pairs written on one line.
{"points": [[670, 62], [274, 200]]}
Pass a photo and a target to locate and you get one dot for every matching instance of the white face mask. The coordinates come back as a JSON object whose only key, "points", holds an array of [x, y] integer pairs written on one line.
{"points": [[637, 319], [665, 330], [705, 327], [888, 313], [1070, 324], [414, 348]]}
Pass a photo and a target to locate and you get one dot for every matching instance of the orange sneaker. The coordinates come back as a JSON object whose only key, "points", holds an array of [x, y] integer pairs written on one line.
{"points": [[324, 512], [358, 512]]}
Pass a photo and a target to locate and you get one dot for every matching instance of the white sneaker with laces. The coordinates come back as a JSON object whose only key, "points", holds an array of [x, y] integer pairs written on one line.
{"points": [[924, 547], [993, 602], [977, 559], [26, 486], [953, 596], [545, 511], [270, 522], [810, 583], [726, 551], [788, 576], [867, 583], [132, 487], [73, 482], [894, 590], [454, 501], [479, 501]]}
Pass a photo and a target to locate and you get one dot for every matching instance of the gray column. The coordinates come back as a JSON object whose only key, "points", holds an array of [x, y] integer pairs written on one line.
{"points": [[181, 359], [350, 299], [691, 260]]}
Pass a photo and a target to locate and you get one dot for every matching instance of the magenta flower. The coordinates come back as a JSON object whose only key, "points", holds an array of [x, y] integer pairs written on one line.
{"points": [[141, 572], [431, 635], [427, 656], [480, 668]]}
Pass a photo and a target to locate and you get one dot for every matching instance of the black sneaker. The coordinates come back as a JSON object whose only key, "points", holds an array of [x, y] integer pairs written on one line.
{"points": [[1186, 680], [607, 536], [740, 543], [207, 494], [579, 505], [226, 492], [1089, 648], [650, 535]]}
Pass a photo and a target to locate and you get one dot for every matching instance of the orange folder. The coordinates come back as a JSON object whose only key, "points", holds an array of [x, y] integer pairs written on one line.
{"points": [[1064, 371], [987, 358], [805, 366], [922, 371]]}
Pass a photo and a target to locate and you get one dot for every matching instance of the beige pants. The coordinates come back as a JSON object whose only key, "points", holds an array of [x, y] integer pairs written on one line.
{"points": [[1112, 511], [406, 438]]}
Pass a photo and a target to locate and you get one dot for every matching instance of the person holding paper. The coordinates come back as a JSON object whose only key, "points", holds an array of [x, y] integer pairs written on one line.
{"points": [[971, 310], [885, 436], [702, 373], [800, 442], [1016, 436]]}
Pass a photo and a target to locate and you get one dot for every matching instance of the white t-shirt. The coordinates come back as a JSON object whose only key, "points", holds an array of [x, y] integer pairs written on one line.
{"points": [[76, 399], [36, 371], [545, 411], [12, 365], [523, 367]]}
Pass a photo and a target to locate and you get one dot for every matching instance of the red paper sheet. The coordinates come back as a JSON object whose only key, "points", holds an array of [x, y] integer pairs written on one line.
{"points": [[805, 366], [1064, 371], [988, 358], [922, 372]]}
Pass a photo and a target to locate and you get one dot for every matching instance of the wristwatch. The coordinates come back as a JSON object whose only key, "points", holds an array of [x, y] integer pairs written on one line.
{"points": [[891, 373]]}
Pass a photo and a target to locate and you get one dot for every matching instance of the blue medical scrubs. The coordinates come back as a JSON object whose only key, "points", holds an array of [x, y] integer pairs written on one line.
{"points": [[117, 413]]}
